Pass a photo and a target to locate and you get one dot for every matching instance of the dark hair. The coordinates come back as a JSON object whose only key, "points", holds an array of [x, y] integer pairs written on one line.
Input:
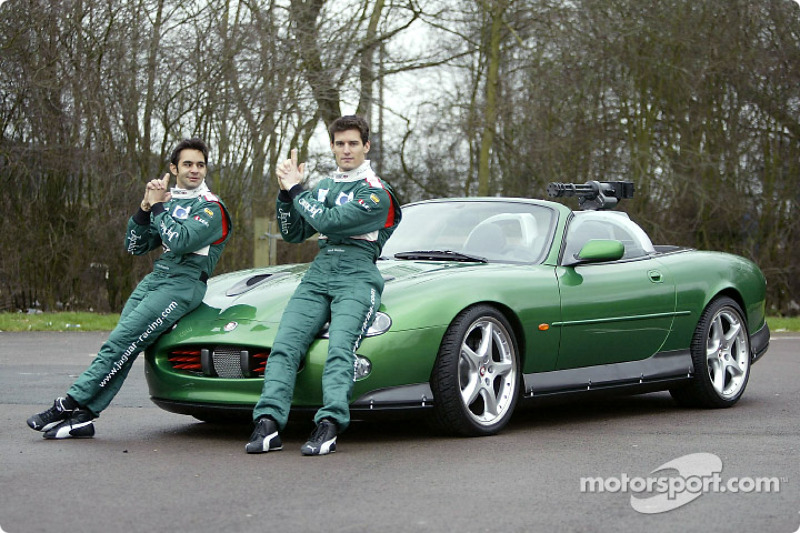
{"points": [[350, 122], [189, 144]]}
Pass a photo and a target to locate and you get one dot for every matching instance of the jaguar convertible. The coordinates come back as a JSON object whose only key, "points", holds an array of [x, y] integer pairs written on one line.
{"points": [[490, 302]]}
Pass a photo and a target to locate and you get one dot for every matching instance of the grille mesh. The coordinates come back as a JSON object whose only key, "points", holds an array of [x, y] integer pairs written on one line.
{"points": [[227, 362]]}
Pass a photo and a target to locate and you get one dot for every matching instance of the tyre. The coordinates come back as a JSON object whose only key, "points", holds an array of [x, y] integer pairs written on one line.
{"points": [[721, 358], [476, 377]]}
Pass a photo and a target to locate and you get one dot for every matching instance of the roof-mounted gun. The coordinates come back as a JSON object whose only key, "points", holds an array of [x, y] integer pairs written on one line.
{"points": [[593, 195]]}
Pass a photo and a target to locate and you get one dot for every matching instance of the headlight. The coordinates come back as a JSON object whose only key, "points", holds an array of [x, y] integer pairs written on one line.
{"points": [[363, 367], [379, 326]]}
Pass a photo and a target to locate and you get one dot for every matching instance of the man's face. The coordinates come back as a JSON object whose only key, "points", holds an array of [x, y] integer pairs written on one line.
{"points": [[348, 149], [191, 169]]}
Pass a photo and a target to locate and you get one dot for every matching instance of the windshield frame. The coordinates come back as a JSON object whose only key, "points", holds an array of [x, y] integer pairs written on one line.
{"points": [[536, 224]]}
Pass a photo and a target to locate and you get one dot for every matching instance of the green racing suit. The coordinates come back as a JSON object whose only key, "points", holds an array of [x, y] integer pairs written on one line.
{"points": [[355, 213], [192, 228]]}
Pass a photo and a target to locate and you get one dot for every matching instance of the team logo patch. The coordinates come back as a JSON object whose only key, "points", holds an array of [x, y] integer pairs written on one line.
{"points": [[322, 194], [180, 212], [344, 198], [374, 198], [201, 220], [208, 212]]}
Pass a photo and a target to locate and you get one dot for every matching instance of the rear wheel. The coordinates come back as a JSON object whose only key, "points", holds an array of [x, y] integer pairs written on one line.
{"points": [[721, 357], [476, 378]]}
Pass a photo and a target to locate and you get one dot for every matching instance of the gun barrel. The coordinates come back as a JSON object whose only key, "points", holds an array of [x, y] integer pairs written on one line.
{"points": [[558, 190]]}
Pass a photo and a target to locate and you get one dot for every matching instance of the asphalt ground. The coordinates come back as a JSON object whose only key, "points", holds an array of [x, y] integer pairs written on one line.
{"points": [[151, 471]]}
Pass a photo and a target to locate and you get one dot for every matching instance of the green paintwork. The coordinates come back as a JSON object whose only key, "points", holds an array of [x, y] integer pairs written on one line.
{"points": [[599, 250], [599, 311]]}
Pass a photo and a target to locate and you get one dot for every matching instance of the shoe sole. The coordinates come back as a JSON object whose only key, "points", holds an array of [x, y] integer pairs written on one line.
{"points": [[324, 449], [266, 445], [80, 430]]}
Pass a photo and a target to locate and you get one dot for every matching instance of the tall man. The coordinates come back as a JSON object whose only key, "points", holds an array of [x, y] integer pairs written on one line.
{"points": [[355, 213], [192, 226]]}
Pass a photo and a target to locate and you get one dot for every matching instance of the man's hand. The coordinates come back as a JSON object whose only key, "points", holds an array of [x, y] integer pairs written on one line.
{"points": [[289, 173], [157, 191]]}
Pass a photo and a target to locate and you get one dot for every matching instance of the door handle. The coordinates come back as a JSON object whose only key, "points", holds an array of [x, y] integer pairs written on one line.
{"points": [[655, 276]]}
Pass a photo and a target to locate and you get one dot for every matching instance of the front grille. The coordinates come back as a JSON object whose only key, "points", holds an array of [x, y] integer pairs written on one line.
{"points": [[230, 362]]}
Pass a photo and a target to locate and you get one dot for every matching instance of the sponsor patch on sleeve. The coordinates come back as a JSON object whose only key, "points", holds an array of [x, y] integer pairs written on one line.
{"points": [[201, 220]]}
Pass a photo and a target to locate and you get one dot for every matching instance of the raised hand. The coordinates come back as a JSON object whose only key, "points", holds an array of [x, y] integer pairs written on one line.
{"points": [[158, 190], [289, 173]]}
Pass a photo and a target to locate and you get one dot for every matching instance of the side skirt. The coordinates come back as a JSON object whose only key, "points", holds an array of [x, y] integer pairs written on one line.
{"points": [[663, 367]]}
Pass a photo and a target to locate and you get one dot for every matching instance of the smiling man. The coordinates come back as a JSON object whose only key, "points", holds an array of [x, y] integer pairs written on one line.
{"points": [[191, 225], [354, 213]]}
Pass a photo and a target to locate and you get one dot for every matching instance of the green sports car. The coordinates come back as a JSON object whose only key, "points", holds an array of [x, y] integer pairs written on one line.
{"points": [[489, 302]]}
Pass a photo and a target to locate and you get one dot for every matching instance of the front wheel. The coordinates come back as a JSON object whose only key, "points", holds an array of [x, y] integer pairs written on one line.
{"points": [[721, 357], [476, 377]]}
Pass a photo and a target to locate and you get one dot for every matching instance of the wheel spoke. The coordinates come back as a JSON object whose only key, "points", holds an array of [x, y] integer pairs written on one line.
{"points": [[470, 357], [733, 332], [489, 400], [714, 338], [733, 368], [717, 372], [486, 339], [472, 389], [503, 368]]}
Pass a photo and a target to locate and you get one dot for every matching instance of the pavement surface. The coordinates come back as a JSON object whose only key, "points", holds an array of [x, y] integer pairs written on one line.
{"points": [[574, 466]]}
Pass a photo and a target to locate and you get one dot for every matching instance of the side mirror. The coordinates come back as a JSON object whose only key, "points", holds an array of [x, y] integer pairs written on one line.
{"points": [[598, 251]]}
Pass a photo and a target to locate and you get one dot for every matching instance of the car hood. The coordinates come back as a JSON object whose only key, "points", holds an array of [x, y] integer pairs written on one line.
{"points": [[261, 294]]}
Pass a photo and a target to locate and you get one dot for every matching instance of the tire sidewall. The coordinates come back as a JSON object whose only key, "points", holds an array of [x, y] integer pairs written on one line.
{"points": [[450, 412], [704, 385]]}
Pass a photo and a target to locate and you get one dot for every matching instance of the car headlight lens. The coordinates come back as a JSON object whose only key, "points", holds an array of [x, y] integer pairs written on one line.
{"points": [[379, 326], [363, 367]]}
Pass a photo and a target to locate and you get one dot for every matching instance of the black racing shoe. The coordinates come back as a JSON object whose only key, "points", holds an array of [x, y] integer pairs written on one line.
{"points": [[322, 440], [63, 407], [79, 424], [265, 437]]}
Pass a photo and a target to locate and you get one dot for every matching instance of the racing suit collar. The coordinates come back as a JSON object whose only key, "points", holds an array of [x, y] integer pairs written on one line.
{"points": [[363, 172], [182, 194]]}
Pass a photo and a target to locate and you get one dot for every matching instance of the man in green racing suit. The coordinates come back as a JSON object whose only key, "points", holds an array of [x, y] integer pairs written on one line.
{"points": [[192, 225], [355, 213]]}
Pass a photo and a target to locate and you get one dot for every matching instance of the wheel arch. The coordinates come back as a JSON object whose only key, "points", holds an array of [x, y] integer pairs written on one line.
{"points": [[737, 297], [516, 324]]}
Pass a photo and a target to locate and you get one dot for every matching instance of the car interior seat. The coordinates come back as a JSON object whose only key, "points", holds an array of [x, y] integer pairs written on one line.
{"points": [[485, 240]]}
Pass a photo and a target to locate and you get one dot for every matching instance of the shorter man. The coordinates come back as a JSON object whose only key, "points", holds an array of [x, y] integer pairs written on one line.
{"points": [[355, 213], [192, 225]]}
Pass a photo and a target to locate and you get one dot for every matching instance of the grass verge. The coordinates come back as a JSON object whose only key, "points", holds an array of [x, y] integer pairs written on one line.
{"points": [[67, 321], [105, 322]]}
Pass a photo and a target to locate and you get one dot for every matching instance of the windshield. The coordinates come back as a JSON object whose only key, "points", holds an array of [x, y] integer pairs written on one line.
{"points": [[512, 232]]}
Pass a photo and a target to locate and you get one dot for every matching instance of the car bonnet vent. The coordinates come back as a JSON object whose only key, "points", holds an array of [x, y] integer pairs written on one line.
{"points": [[252, 282]]}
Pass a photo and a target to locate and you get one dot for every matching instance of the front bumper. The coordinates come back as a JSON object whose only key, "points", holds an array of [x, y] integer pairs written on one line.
{"points": [[404, 399]]}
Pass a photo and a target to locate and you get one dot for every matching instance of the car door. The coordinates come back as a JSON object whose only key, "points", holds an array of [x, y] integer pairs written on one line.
{"points": [[612, 311]]}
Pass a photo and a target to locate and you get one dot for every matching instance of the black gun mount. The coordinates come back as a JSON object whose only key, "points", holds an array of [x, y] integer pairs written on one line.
{"points": [[593, 195]]}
